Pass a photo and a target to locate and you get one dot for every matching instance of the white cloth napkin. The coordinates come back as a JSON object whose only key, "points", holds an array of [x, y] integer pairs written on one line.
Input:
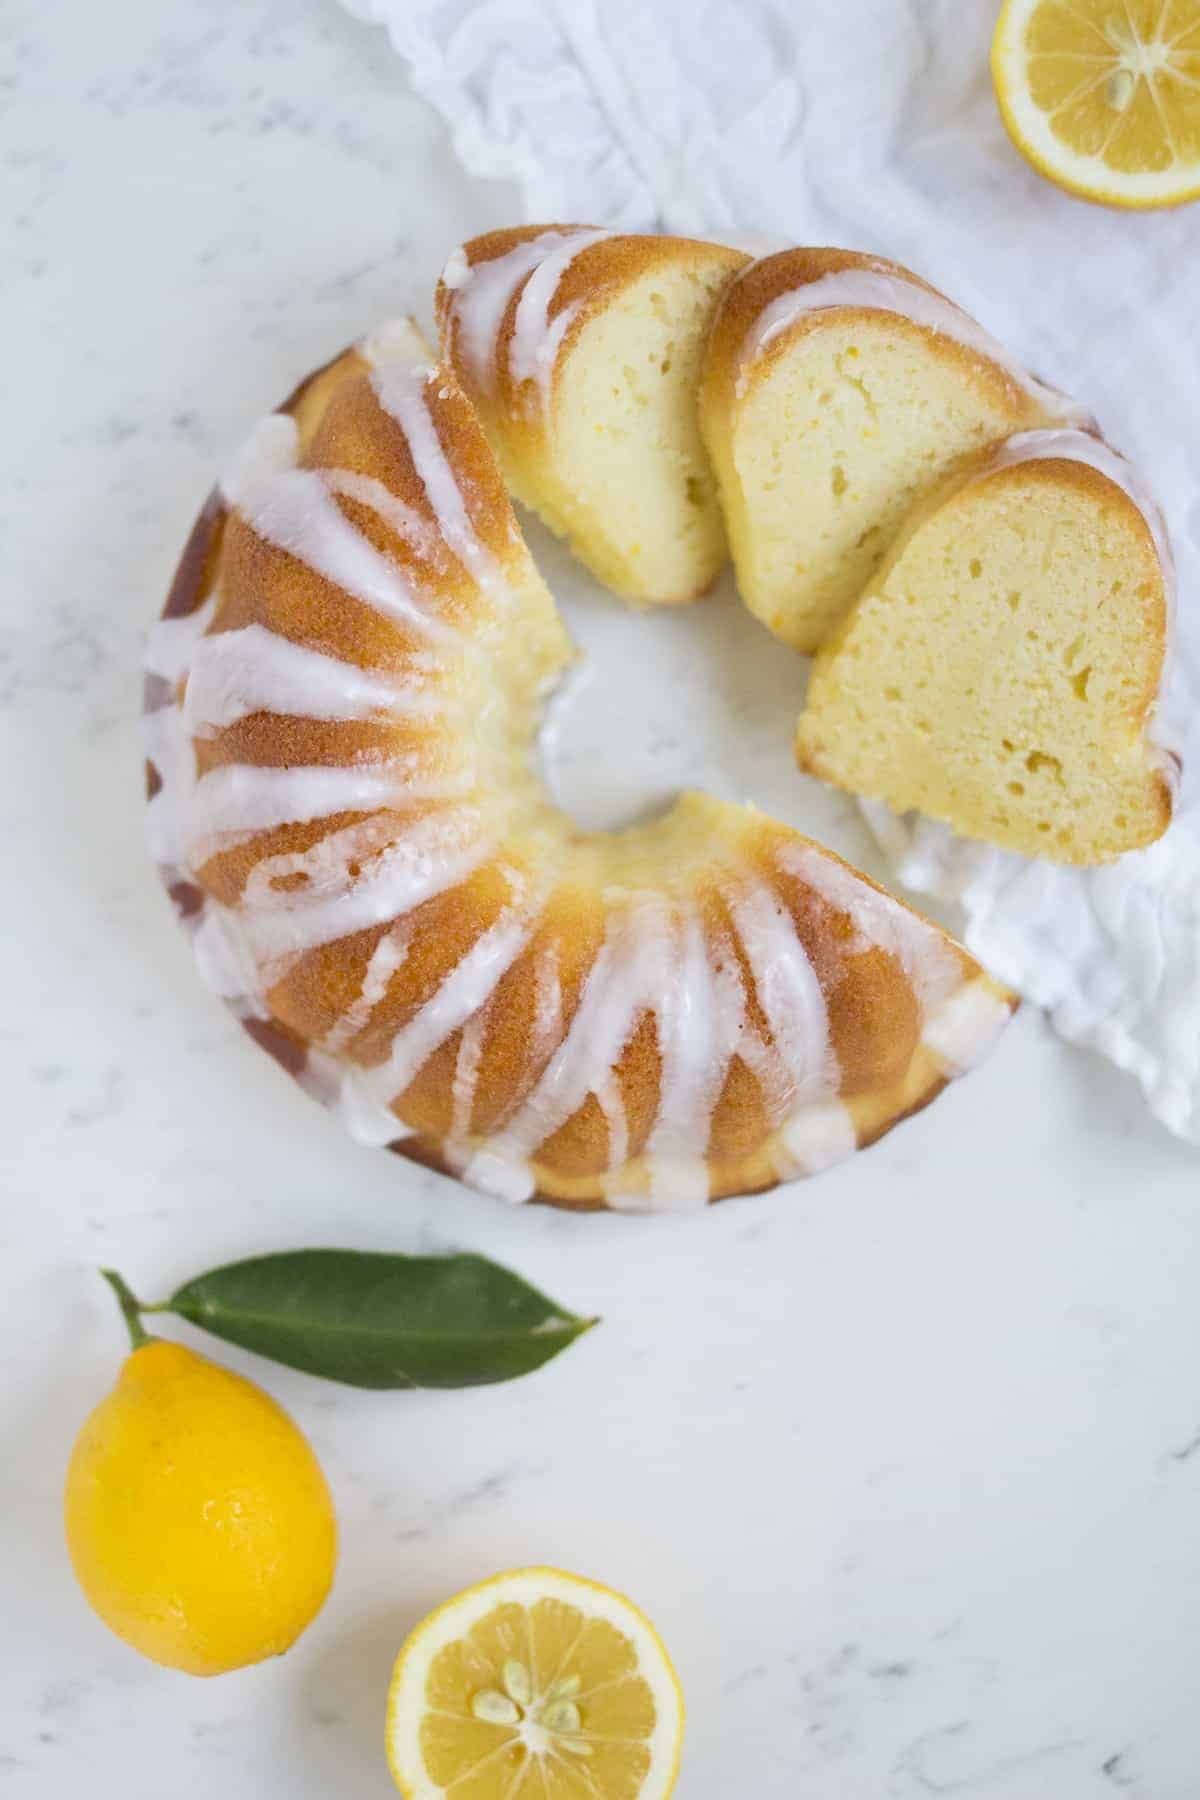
{"points": [[872, 124]]}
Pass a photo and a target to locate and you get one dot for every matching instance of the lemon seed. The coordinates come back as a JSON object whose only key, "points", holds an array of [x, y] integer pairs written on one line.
{"points": [[577, 1747], [517, 1684], [563, 1715], [564, 1688], [494, 1708], [1118, 89]]}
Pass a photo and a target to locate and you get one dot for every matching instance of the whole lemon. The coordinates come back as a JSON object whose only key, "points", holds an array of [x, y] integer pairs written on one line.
{"points": [[198, 1520]]}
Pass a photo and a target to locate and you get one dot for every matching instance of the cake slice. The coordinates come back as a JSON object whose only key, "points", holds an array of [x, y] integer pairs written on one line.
{"points": [[1001, 670], [838, 390], [581, 351]]}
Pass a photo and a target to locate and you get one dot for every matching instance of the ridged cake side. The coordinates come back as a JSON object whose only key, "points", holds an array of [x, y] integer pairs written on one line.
{"points": [[346, 691], [581, 350]]}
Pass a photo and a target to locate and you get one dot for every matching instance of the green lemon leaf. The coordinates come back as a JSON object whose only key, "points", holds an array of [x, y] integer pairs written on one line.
{"points": [[381, 1321]]}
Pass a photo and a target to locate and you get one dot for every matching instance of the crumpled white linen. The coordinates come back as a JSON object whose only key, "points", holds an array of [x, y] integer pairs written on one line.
{"points": [[872, 124]]}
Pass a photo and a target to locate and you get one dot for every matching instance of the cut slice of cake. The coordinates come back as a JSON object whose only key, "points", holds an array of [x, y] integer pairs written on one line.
{"points": [[838, 390], [1001, 670], [581, 351]]}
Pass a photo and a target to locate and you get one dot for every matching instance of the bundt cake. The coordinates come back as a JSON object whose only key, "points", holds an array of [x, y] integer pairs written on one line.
{"points": [[1000, 671], [837, 391], [581, 351], [344, 694]]}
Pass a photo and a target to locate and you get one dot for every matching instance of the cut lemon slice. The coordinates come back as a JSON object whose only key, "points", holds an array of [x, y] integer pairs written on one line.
{"points": [[1103, 96], [535, 1686]]}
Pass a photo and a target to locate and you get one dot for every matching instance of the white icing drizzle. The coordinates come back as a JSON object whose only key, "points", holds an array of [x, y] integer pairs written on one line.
{"points": [[547, 1008], [169, 649], [880, 288], [239, 799], [963, 1031], [397, 341], [223, 961], [654, 960], [815, 1139], [624, 978], [787, 990], [500, 1176], [365, 1118], [237, 673], [464, 991], [271, 448], [700, 1025], [1085, 447], [466, 1075], [481, 293], [879, 922], [611, 1102], [170, 750], [171, 643], [391, 875], [401, 393], [294, 510], [457, 271], [389, 954], [403, 520], [961, 1016], [536, 340], [772, 1079]]}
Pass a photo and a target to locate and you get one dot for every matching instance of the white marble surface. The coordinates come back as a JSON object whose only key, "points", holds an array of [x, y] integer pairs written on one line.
{"points": [[903, 1461]]}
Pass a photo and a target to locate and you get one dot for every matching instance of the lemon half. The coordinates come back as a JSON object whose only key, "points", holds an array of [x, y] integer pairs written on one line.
{"points": [[1103, 96], [535, 1686]]}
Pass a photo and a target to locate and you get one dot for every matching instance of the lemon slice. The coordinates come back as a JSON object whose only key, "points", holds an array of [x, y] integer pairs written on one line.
{"points": [[535, 1686], [1103, 96]]}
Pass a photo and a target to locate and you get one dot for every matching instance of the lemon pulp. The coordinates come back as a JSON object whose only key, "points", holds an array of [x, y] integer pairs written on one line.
{"points": [[534, 1686], [1103, 96]]}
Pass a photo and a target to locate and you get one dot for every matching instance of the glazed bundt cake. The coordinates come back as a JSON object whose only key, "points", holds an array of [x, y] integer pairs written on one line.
{"points": [[1000, 672], [839, 390], [581, 351], [345, 692]]}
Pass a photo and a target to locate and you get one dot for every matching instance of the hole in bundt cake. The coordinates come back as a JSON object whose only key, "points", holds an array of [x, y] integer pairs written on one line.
{"points": [[707, 700]]}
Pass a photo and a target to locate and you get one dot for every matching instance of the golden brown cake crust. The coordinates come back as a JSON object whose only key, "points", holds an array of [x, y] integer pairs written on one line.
{"points": [[581, 352], [765, 281], [885, 1068], [587, 285]]}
